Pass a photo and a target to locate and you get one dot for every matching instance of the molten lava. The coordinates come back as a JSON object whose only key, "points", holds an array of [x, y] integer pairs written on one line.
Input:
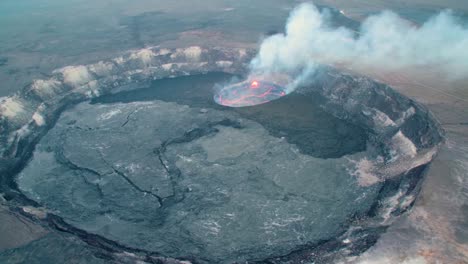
{"points": [[249, 93], [254, 84]]}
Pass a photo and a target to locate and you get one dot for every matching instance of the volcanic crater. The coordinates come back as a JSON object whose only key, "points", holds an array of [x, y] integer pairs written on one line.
{"points": [[133, 156]]}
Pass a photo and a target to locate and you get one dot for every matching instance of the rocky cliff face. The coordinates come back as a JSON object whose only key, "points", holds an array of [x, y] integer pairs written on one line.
{"points": [[403, 139]]}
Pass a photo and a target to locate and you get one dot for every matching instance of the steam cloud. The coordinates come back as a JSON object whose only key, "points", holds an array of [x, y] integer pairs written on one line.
{"points": [[384, 40]]}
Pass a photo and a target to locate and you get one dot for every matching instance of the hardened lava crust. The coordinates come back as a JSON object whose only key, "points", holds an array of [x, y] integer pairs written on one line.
{"points": [[130, 159]]}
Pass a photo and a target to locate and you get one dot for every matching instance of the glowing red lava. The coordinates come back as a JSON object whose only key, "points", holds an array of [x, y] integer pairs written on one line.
{"points": [[249, 93], [254, 84]]}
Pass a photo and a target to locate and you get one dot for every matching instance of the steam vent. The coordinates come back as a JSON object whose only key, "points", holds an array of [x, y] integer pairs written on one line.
{"points": [[133, 160]]}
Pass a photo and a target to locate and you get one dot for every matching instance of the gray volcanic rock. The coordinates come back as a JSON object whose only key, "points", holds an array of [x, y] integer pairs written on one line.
{"points": [[17, 230], [52, 248], [188, 183]]}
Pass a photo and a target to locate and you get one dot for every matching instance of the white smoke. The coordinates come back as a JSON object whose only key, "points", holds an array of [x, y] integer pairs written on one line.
{"points": [[385, 40]]}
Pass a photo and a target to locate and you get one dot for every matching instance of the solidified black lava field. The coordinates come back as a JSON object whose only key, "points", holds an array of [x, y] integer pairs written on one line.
{"points": [[201, 182], [164, 174]]}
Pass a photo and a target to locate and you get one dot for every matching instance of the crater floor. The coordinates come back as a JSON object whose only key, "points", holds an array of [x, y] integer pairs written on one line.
{"points": [[199, 181]]}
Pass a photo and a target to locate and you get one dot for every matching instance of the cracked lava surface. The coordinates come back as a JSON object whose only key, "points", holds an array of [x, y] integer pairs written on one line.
{"points": [[205, 184]]}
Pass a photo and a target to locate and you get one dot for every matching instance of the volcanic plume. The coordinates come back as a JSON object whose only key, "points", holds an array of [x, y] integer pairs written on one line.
{"points": [[385, 40]]}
